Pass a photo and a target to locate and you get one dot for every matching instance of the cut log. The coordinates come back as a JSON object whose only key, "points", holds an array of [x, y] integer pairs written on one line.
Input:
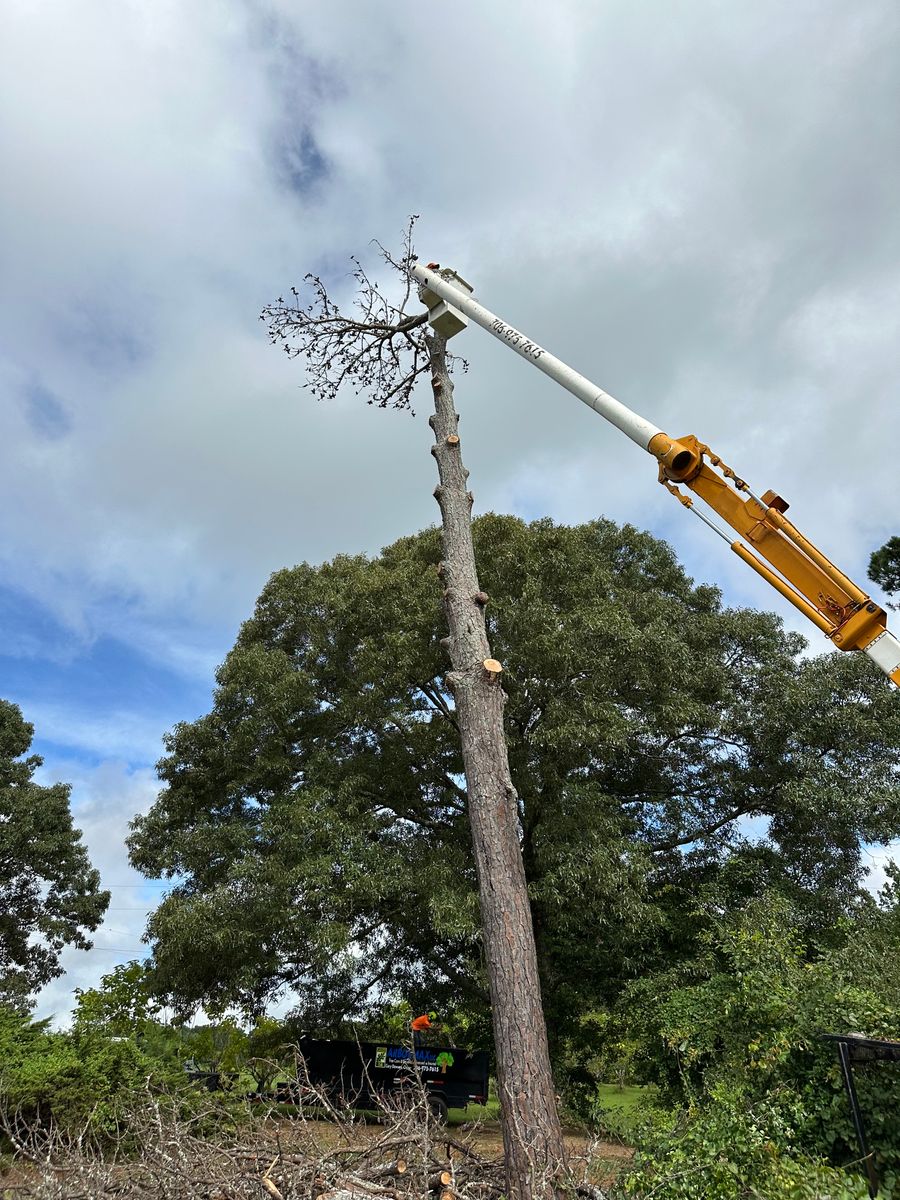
{"points": [[390, 1169]]}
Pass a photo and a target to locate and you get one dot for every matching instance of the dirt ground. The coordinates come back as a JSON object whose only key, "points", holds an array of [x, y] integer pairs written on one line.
{"points": [[485, 1138], [600, 1160]]}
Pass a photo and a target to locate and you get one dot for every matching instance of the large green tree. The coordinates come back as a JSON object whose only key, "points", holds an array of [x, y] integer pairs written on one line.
{"points": [[667, 754], [50, 894]]}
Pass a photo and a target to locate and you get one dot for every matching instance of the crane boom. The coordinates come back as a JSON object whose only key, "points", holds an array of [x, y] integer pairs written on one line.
{"points": [[768, 542]]}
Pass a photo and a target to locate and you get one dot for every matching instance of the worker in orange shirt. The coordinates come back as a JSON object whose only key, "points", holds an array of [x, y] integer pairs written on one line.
{"points": [[420, 1024]]}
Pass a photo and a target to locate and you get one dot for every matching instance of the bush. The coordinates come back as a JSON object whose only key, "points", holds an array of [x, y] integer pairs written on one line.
{"points": [[733, 1040], [724, 1151], [73, 1081]]}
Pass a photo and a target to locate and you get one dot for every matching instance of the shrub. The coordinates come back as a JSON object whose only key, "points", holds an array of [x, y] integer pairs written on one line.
{"points": [[733, 1038], [70, 1080], [724, 1151]]}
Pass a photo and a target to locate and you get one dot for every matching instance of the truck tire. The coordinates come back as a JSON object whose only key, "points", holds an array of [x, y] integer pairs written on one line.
{"points": [[439, 1111]]}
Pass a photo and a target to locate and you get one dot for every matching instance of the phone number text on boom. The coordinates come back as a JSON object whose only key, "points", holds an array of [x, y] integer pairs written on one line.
{"points": [[516, 339]]}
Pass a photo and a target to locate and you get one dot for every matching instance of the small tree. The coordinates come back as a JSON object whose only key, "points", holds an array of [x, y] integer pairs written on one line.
{"points": [[267, 1051], [50, 894], [383, 350], [122, 1006]]}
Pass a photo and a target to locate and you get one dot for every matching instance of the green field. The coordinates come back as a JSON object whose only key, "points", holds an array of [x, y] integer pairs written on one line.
{"points": [[611, 1096], [620, 1103]]}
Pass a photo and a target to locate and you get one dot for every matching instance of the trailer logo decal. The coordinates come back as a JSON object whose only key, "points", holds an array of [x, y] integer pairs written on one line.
{"points": [[423, 1059]]}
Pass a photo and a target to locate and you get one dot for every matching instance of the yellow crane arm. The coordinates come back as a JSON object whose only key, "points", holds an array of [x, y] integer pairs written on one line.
{"points": [[767, 540], [793, 565]]}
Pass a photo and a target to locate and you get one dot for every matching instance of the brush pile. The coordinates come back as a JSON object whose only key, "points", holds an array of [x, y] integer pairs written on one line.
{"points": [[163, 1155]]}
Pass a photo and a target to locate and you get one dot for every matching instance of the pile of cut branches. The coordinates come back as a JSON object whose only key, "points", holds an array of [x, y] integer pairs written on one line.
{"points": [[162, 1154]]}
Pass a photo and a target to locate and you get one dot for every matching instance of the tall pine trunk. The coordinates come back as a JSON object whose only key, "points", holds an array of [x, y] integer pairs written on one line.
{"points": [[532, 1135]]}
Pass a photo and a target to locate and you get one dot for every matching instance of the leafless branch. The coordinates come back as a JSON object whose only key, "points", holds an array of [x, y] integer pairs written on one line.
{"points": [[379, 350], [170, 1149]]}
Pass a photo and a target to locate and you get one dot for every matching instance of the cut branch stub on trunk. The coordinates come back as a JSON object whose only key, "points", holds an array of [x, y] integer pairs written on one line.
{"points": [[532, 1133], [384, 348]]}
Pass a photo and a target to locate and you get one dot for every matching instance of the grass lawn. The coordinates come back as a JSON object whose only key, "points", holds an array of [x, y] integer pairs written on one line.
{"points": [[620, 1103], [610, 1095], [619, 1109], [475, 1112]]}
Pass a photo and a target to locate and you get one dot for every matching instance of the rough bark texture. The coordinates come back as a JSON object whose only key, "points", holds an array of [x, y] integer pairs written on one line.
{"points": [[532, 1135]]}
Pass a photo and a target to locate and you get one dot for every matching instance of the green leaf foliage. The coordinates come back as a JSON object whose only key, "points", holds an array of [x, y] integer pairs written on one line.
{"points": [[884, 566], [76, 1081], [315, 819], [219, 1046], [725, 1151], [50, 895], [267, 1051], [122, 1006], [733, 1037]]}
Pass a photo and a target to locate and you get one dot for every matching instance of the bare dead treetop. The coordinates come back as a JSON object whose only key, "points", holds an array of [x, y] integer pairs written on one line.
{"points": [[378, 349]]}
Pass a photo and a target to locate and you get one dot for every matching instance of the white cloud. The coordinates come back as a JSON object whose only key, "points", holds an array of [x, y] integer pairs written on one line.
{"points": [[115, 735], [693, 204], [104, 800], [664, 198], [876, 858]]}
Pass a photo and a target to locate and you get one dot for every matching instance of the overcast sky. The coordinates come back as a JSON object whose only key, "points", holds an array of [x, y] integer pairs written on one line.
{"points": [[694, 203]]}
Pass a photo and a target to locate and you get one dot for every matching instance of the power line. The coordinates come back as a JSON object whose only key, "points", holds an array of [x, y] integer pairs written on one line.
{"points": [[118, 950]]}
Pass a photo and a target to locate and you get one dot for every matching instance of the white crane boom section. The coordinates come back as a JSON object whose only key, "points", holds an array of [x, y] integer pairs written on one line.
{"points": [[802, 574], [639, 429]]}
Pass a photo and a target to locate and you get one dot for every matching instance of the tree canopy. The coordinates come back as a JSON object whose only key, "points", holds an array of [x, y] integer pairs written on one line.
{"points": [[50, 894], [669, 754], [884, 566]]}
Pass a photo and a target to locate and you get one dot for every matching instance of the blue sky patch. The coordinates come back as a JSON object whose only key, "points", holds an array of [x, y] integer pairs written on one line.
{"points": [[97, 700], [46, 413], [301, 162]]}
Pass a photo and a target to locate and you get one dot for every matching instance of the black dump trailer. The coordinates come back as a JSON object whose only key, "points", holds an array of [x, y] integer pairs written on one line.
{"points": [[357, 1073]]}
